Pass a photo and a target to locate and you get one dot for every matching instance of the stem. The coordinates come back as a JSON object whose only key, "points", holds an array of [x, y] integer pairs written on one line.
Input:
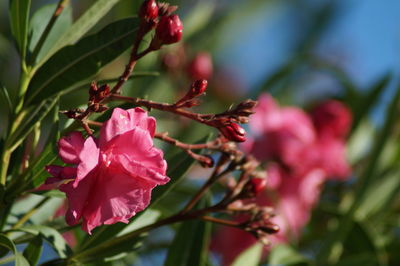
{"points": [[5, 161], [220, 221], [45, 34], [201, 118], [30, 213], [214, 176], [164, 137], [132, 61]]}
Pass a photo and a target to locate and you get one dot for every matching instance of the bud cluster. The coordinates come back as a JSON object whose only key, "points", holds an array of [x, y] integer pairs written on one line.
{"points": [[96, 96], [168, 26]]}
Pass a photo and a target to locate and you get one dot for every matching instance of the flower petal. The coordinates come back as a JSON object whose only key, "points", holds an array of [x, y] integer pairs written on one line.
{"points": [[116, 197], [137, 145], [89, 157], [122, 121], [70, 147]]}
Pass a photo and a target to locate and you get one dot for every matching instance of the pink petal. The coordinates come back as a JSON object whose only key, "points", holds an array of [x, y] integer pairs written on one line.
{"points": [[116, 197], [70, 147], [122, 121], [77, 196], [89, 157], [137, 145]]}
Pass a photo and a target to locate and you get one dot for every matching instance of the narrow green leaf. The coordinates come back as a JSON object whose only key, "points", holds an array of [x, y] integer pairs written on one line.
{"points": [[250, 257], [52, 236], [19, 21], [33, 251], [285, 255], [178, 165], [81, 61], [7, 243], [6, 97], [369, 99], [190, 245], [38, 24], [34, 114], [81, 26], [378, 196]]}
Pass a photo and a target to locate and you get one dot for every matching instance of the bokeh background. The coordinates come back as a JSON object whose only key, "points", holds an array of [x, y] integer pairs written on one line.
{"points": [[300, 51]]}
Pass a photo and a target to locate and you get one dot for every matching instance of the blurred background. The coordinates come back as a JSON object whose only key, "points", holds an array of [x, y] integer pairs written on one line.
{"points": [[300, 51]]}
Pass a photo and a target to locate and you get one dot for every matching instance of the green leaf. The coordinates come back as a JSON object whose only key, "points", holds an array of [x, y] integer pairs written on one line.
{"points": [[81, 61], [19, 21], [33, 115], [7, 243], [33, 251], [190, 245], [364, 105], [38, 24], [250, 257], [36, 174], [52, 236], [285, 255], [6, 97], [378, 196], [178, 165], [81, 26]]}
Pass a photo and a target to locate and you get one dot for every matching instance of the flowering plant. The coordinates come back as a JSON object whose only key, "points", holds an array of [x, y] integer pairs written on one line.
{"points": [[105, 153]]}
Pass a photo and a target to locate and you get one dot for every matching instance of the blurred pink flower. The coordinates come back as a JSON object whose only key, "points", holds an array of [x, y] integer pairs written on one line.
{"points": [[302, 151], [332, 118], [112, 176]]}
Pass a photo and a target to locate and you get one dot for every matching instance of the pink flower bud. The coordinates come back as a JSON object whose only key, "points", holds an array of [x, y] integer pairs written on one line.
{"points": [[169, 30], [148, 10], [201, 66], [198, 87], [258, 184], [233, 132]]}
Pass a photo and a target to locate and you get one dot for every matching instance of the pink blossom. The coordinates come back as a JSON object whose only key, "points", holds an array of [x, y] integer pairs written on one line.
{"points": [[112, 177], [332, 118]]}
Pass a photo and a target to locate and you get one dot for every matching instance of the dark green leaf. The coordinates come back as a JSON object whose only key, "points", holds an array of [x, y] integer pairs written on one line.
{"points": [[81, 61], [19, 21], [7, 243], [33, 115], [38, 24], [81, 26], [364, 105], [190, 245], [6, 97], [33, 251]]}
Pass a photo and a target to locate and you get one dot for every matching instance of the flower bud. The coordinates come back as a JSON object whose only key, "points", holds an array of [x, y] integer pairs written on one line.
{"points": [[97, 94], [168, 31], [258, 185], [148, 10], [201, 66], [196, 89], [233, 132]]}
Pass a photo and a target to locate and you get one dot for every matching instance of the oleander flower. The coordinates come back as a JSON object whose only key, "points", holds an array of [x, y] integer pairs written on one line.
{"points": [[112, 177]]}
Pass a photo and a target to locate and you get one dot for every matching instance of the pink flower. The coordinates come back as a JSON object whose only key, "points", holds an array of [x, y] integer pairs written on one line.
{"points": [[332, 118], [112, 177], [281, 133]]}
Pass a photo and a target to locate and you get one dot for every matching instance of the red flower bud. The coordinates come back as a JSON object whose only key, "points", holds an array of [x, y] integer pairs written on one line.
{"points": [[169, 30], [198, 87], [258, 184], [148, 10], [201, 66], [233, 132]]}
